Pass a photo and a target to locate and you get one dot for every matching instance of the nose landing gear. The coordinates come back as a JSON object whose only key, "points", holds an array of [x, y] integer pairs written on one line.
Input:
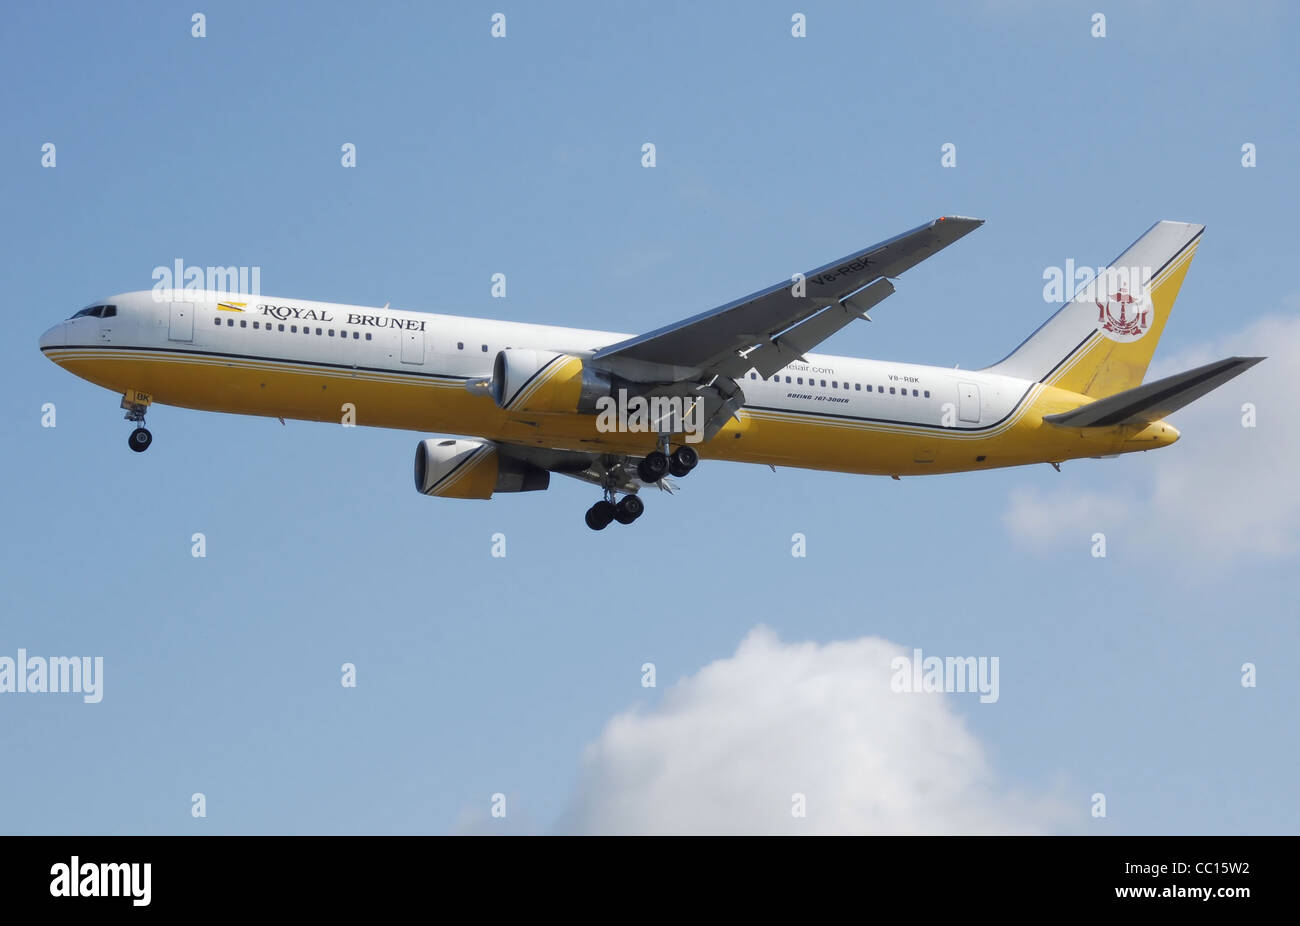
{"points": [[136, 404], [140, 440]]}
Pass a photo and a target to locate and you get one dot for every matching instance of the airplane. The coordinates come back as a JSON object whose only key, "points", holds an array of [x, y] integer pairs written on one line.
{"points": [[735, 383]]}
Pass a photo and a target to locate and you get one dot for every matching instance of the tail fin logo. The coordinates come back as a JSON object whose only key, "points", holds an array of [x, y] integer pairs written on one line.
{"points": [[1124, 317]]}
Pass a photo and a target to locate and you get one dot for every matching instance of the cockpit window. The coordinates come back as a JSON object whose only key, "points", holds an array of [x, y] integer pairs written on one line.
{"points": [[97, 311]]}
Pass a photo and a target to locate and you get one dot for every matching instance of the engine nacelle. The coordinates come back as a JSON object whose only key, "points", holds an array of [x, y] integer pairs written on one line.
{"points": [[472, 469], [546, 381]]}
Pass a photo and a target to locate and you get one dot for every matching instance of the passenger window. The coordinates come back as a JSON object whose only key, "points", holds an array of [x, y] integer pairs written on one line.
{"points": [[243, 323], [823, 384], [485, 348], [800, 380], [787, 379], [914, 393], [318, 331], [857, 387], [331, 332], [460, 345], [216, 321], [357, 334], [927, 393], [255, 326], [368, 337], [753, 376], [282, 327], [891, 390], [293, 329], [834, 384]]}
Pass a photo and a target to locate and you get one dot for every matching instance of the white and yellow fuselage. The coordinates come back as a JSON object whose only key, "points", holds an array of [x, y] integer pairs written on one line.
{"points": [[294, 358]]}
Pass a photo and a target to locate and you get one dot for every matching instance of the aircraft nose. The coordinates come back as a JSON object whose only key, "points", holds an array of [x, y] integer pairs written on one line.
{"points": [[55, 337]]}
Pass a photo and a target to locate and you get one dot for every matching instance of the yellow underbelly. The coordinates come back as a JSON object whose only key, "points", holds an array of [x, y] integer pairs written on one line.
{"points": [[430, 404]]}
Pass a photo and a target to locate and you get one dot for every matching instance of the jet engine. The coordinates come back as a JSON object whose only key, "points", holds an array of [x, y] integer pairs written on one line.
{"points": [[472, 469], [544, 381]]}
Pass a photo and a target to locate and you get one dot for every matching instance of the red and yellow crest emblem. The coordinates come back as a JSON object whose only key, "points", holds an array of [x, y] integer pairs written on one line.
{"points": [[1124, 317]]}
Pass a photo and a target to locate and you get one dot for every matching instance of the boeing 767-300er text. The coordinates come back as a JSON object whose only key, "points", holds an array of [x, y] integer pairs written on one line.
{"points": [[736, 383]]}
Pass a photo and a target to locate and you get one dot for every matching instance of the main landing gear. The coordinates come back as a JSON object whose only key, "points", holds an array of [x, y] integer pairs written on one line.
{"points": [[136, 404], [653, 467], [601, 514], [657, 464]]}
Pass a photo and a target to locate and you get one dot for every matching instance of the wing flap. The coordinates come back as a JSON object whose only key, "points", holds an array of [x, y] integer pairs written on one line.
{"points": [[794, 342]]}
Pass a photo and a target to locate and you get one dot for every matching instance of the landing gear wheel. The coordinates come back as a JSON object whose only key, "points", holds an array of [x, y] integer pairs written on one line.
{"points": [[599, 515], [683, 461], [654, 467], [629, 509], [140, 440]]}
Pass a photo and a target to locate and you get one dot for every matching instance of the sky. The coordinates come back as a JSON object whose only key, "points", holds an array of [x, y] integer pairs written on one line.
{"points": [[1156, 684]]}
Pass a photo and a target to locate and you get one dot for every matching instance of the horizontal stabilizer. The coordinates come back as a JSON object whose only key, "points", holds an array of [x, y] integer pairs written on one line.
{"points": [[1155, 400]]}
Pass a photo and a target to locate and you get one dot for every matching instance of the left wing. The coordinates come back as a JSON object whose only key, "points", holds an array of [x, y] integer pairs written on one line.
{"points": [[768, 329]]}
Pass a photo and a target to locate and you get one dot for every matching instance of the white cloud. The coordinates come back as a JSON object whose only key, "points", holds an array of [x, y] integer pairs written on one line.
{"points": [[1223, 490], [1038, 519], [729, 747]]}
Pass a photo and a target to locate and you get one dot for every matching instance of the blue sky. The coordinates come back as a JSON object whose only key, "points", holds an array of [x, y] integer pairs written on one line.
{"points": [[522, 155]]}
